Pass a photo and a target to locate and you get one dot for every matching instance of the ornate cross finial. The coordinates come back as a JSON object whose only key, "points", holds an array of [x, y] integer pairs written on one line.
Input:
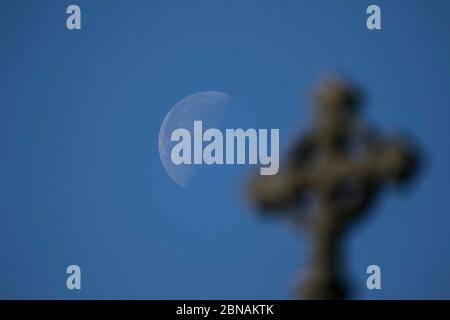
{"points": [[331, 176]]}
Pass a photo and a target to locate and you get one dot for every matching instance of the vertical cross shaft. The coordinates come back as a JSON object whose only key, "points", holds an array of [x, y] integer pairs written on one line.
{"points": [[331, 176]]}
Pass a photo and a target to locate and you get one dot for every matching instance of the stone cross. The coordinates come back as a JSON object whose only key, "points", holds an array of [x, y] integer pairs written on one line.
{"points": [[331, 176]]}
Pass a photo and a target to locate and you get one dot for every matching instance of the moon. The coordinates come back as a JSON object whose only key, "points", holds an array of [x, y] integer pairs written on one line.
{"points": [[208, 106]]}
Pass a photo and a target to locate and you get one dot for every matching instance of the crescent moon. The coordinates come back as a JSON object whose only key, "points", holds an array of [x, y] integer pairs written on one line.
{"points": [[208, 106]]}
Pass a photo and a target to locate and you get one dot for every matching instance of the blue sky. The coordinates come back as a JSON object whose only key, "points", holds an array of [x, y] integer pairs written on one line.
{"points": [[81, 180]]}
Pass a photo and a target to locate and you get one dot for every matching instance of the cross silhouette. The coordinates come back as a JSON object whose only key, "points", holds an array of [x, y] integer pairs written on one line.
{"points": [[331, 176]]}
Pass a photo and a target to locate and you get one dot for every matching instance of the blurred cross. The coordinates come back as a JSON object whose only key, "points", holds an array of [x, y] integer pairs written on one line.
{"points": [[331, 177]]}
